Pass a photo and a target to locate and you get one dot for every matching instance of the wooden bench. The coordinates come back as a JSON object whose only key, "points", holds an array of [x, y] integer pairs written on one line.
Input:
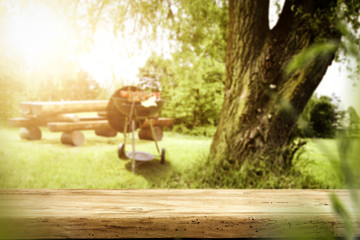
{"points": [[60, 117], [168, 213]]}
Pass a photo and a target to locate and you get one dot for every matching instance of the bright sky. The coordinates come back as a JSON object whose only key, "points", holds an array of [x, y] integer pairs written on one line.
{"points": [[113, 59], [43, 40], [336, 81]]}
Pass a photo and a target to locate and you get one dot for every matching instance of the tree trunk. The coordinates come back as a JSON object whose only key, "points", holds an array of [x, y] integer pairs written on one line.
{"points": [[261, 102]]}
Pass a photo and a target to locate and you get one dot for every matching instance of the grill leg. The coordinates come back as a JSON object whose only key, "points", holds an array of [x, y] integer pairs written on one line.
{"points": [[125, 129], [133, 146], [154, 135]]}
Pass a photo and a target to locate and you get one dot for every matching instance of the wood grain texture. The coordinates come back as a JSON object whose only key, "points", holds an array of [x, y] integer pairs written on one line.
{"points": [[35, 122], [82, 125], [50, 108], [167, 213]]}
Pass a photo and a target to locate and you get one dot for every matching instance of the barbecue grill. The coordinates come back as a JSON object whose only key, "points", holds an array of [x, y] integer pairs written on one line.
{"points": [[127, 109]]}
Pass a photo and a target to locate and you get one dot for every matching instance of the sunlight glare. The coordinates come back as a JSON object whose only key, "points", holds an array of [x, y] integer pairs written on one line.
{"points": [[40, 39], [36, 34], [113, 60]]}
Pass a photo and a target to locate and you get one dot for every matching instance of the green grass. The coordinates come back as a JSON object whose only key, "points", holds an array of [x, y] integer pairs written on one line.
{"points": [[49, 164], [320, 160]]}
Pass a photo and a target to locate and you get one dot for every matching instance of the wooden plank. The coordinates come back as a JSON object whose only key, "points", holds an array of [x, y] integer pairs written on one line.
{"points": [[82, 125], [102, 114], [168, 213], [26, 122], [37, 122], [50, 108], [92, 118]]}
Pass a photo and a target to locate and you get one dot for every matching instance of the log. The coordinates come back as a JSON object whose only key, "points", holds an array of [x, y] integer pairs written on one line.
{"points": [[36, 122], [171, 213], [146, 134], [106, 132], [68, 127], [30, 133], [92, 118], [66, 117], [51, 108], [75, 138], [163, 122], [26, 122], [102, 114]]}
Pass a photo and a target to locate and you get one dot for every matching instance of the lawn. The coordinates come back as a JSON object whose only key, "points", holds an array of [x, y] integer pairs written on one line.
{"points": [[49, 164], [94, 165]]}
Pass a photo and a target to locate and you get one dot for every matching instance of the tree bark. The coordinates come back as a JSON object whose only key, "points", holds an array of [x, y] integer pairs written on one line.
{"points": [[261, 102]]}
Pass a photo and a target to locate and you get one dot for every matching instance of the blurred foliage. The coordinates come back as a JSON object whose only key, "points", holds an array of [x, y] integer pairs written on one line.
{"points": [[193, 91], [18, 86], [191, 26], [308, 55], [192, 83], [354, 120], [192, 77], [191, 74], [39, 78], [321, 118], [345, 15]]}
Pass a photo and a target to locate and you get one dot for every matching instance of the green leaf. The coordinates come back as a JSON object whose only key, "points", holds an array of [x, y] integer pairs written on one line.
{"points": [[341, 211], [308, 55]]}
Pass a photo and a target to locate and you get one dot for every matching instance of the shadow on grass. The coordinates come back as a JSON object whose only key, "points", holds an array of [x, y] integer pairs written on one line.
{"points": [[153, 171]]}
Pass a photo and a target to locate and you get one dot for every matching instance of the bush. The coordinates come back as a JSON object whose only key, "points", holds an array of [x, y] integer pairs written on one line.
{"points": [[319, 118], [323, 119], [207, 131]]}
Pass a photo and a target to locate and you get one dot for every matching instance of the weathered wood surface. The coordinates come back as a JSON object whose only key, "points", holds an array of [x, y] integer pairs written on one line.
{"points": [[50, 108], [92, 118], [102, 114], [168, 213], [163, 122], [82, 125], [36, 122]]}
